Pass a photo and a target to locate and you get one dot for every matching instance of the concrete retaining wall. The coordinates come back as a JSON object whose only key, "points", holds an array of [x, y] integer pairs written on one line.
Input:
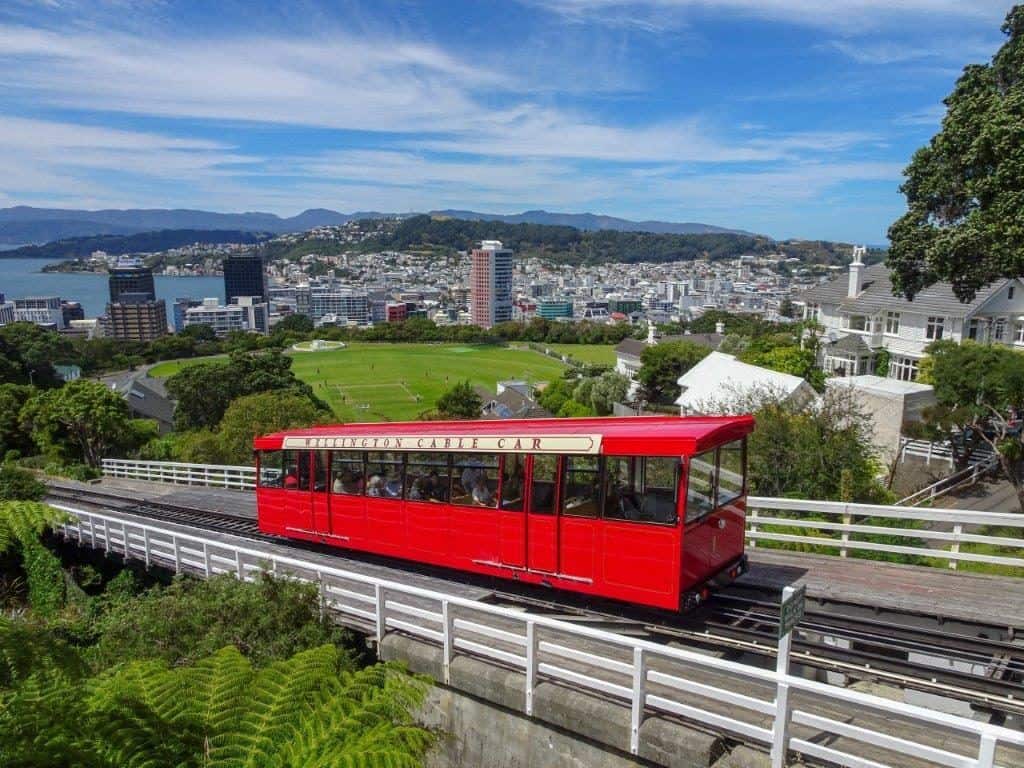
{"points": [[480, 715]]}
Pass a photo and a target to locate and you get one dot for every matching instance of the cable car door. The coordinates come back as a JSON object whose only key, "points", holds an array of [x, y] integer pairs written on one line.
{"points": [[297, 481], [321, 497], [541, 517], [512, 518]]}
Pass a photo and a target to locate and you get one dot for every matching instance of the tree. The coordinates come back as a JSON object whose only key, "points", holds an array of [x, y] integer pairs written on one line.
{"points": [[13, 435], [661, 365], [794, 360], [262, 413], [82, 421], [295, 324], [979, 392], [609, 388], [460, 402], [965, 220], [205, 390], [28, 353]]}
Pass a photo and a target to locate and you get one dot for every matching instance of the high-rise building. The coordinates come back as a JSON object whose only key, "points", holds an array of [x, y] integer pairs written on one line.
{"points": [[222, 319], [490, 284], [131, 283], [134, 314], [243, 276], [344, 305], [41, 310], [136, 321]]}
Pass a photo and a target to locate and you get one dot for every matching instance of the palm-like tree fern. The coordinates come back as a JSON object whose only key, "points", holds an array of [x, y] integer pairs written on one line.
{"points": [[21, 525], [309, 711]]}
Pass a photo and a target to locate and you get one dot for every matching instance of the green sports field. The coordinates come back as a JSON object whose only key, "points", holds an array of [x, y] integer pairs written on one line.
{"points": [[395, 382]]}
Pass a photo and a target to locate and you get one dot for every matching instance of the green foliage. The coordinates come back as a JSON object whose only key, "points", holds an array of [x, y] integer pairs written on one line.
{"points": [[261, 414], [822, 451], [661, 365], [882, 359], [17, 484], [309, 710], [82, 421], [267, 619], [792, 359], [459, 402], [570, 245], [28, 353], [965, 222], [294, 324], [556, 394], [21, 525], [205, 390], [13, 435]]}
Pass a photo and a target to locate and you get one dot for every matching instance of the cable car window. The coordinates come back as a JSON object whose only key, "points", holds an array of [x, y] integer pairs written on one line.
{"points": [[641, 488], [296, 470], [731, 471], [513, 481], [700, 486], [321, 463], [271, 475], [384, 471], [348, 473], [427, 477], [545, 485], [475, 479], [582, 496]]}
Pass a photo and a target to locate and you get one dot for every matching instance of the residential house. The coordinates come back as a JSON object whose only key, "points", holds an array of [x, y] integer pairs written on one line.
{"points": [[861, 317], [629, 351], [720, 380]]}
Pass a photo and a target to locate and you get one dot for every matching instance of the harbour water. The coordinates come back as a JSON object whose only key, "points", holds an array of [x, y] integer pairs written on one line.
{"points": [[22, 277]]}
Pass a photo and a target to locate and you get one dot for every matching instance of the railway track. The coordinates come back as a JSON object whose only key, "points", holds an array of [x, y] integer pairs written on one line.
{"points": [[985, 672]]}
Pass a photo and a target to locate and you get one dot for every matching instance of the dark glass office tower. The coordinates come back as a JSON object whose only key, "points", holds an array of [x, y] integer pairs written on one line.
{"points": [[131, 284], [243, 276]]}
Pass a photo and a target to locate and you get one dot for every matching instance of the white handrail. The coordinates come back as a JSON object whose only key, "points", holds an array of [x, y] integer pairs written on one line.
{"points": [[435, 621], [949, 528]]}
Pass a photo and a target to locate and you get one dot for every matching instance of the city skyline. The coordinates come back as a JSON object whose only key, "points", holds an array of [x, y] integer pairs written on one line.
{"points": [[766, 116]]}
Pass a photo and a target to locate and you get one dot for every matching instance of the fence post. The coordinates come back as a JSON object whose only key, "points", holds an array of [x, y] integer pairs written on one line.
{"points": [[752, 525], [987, 751], [639, 699], [106, 538], [323, 594], [958, 529], [531, 664], [177, 555], [847, 521], [780, 728], [145, 544], [448, 638], [378, 596], [206, 559]]}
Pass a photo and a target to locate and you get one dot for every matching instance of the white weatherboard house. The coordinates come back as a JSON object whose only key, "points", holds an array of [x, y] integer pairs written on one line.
{"points": [[719, 380], [861, 316]]}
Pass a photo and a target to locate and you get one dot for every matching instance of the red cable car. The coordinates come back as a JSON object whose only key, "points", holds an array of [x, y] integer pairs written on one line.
{"points": [[644, 510]]}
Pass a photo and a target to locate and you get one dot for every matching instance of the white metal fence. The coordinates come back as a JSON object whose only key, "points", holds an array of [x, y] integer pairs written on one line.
{"points": [[832, 724], [214, 475], [838, 527], [925, 533]]}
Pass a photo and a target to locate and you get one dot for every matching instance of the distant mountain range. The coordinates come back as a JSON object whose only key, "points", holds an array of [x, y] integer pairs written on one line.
{"points": [[23, 224]]}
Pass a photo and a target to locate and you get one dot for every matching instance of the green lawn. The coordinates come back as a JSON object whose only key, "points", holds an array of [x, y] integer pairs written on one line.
{"points": [[597, 354], [395, 382], [171, 367]]}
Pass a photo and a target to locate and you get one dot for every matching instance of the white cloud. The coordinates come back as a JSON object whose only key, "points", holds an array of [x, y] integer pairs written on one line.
{"points": [[864, 14]]}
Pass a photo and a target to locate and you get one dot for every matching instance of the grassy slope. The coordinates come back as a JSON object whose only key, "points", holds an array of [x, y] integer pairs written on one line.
{"points": [[599, 354], [373, 374]]}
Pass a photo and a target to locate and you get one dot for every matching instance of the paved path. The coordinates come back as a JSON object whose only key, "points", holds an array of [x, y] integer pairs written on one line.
{"points": [[987, 496]]}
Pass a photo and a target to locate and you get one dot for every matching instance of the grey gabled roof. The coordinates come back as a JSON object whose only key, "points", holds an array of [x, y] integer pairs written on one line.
{"points": [[876, 295], [850, 344], [635, 347]]}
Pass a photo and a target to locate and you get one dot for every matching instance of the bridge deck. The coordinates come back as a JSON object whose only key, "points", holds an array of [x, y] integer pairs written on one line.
{"points": [[970, 597], [886, 586]]}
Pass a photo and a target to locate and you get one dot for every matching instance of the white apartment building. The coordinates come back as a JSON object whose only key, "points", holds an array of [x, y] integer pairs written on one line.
{"points": [[222, 318], [861, 316], [41, 310], [350, 306]]}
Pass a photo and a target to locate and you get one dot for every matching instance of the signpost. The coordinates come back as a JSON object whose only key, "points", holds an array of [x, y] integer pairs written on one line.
{"points": [[791, 611]]}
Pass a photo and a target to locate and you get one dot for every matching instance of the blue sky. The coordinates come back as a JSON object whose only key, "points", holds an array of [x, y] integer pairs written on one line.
{"points": [[790, 117]]}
